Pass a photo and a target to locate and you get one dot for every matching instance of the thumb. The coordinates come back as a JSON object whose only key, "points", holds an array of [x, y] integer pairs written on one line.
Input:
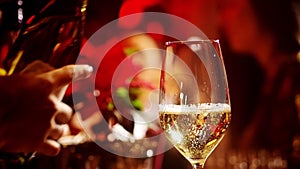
{"points": [[65, 75]]}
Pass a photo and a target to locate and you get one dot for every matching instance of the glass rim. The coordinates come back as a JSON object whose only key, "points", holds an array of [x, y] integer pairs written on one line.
{"points": [[191, 41]]}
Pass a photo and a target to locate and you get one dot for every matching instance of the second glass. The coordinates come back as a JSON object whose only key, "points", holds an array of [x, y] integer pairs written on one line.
{"points": [[194, 103]]}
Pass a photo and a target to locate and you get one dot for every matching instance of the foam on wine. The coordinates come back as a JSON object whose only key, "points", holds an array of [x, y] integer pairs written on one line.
{"points": [[195, 130]]}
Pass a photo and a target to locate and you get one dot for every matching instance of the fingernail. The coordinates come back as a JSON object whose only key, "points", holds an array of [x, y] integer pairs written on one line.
{"points": [[90, 68], [86, 71]]}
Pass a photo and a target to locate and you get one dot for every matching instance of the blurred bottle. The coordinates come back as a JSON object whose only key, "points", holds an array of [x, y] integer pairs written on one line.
{"points": [[52, 32]]}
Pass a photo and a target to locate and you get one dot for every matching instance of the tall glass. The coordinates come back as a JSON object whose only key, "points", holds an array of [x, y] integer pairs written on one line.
{"points": [[194, 103]]}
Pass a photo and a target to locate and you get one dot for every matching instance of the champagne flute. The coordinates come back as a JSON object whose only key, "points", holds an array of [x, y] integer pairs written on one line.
{"points": [[194, 103]]}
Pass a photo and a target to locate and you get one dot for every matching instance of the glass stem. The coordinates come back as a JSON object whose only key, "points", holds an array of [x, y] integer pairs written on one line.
{"points": [[198, 166]]}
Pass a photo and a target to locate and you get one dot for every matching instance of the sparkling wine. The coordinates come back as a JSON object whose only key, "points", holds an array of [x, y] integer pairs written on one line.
{"points": [[195, 130]]}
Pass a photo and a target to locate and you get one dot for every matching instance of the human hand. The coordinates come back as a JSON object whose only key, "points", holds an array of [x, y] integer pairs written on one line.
{"points": [[32, 116]]}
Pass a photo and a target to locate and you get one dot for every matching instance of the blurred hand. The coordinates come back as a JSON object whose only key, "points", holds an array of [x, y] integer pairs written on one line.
{"points": [[32, 115]]}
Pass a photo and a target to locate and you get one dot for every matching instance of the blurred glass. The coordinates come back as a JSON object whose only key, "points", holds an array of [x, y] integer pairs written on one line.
{"points": [[260, 159]]}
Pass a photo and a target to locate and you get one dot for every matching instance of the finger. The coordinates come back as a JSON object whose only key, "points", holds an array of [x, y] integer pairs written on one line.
{"points": [[63, 76], [64, 113], [49, 147], [37, 67], [75, 124], [60, 92], [57, 132]]}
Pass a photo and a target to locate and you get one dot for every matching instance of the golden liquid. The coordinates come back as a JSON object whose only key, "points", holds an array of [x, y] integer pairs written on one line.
{"points": [[195, 131]]}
